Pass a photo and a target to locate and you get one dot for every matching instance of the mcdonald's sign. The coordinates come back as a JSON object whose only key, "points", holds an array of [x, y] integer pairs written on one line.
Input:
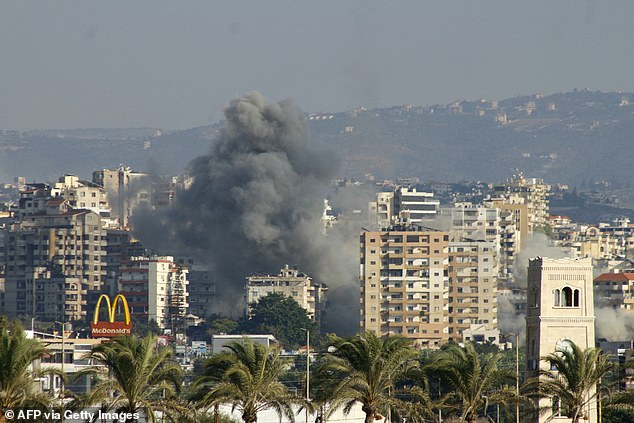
{"points": [[111, 328]]}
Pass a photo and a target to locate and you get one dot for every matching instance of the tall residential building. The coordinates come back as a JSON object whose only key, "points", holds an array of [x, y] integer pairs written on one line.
{"points": [[475, 222], [415, 206], [560, 312], [202, 291], [403, 205], [472, 289], [126, 190], [292, 283], [514, 226], [404, 284], [156, 289], [50, 240], [535, 194]]}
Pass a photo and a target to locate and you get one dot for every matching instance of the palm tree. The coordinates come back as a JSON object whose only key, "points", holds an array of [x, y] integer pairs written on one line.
{"points": [[247, 377], [17, 384], [367, 368], [474, 378], [574, 378], [140, 377]]}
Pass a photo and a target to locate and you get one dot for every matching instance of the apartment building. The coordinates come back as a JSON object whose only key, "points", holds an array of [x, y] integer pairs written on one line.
{"points": [[82, 194], [534, 194], [52, 243], [615, 290], [472, 271], [127, 190], [202, 291], [404, 285], [156, 288], [292, 283], [403, 204]]}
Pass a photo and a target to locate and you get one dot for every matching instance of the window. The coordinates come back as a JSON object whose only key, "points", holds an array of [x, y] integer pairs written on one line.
{"points": [[557, 297], [567, 297]]}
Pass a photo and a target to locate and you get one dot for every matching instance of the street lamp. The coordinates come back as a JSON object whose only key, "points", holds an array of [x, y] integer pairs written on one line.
{"points": [[307, 370], [517, 378], [517, 374]]}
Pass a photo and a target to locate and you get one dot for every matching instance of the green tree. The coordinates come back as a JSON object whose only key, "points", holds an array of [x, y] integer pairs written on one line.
{"points": [[475, 379], [281, 316], [365, 369], [142, 328], [616, 415], [247, 377], [574, 378], [140, 377], [17, 384]]}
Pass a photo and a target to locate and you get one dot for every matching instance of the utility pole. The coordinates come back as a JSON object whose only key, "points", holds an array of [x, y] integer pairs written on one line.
{"points": [[517, 378], [62, 385]]}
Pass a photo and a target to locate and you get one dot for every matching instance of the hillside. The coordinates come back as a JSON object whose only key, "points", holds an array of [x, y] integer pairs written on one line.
{"points": [[577, 137]]}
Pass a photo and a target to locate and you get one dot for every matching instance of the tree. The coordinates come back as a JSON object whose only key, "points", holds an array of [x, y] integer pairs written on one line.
{"points": [[573, 380], [248, 378], [17, 384], [365, 369], [475, 379], [281, 316], [141, 378], [142, 327]]}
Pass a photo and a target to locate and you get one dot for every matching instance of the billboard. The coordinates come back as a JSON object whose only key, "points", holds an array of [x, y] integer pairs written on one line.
{"points": [[111, 328]]}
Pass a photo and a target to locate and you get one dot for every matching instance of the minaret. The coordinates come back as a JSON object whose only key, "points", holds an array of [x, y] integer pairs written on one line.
{"points": [[560, 310]]}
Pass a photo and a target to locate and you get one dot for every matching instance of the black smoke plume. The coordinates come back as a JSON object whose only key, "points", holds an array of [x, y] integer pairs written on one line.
{"points": [[255, 203]]}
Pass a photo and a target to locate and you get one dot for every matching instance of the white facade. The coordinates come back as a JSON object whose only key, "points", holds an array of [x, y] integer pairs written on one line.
{"points": [[156, 289], [127, 190], [560, 310], [403, 205], [82, 194], [289, 282]]}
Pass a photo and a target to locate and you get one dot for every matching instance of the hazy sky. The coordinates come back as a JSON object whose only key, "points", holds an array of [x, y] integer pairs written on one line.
{"points": [[174, 64]]}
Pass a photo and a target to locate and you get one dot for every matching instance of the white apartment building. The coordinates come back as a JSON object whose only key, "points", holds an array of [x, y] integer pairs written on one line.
{"points": [[82, 194], [402, 205], [127, 190], [291, 283], [156, 288]]}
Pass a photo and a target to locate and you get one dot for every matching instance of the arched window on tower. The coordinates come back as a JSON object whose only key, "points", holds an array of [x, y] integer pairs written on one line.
{"points": [[575, 298], [557, 298], [567, 297]]}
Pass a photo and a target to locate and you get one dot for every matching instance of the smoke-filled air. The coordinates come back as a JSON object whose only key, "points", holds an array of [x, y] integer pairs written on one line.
{"points": [[255, 204]]}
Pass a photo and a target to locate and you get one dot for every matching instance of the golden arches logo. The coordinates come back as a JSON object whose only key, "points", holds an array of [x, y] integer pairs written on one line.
{"points": [[111, 328], [112, 308]]}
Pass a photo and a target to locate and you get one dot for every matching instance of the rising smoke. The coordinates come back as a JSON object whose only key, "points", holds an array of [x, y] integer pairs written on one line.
{"points": [[255, 204], [537, 244], [612, 324]]}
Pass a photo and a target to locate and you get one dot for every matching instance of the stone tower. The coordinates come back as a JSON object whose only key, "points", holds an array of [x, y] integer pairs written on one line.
{"points": [[560, 310]]}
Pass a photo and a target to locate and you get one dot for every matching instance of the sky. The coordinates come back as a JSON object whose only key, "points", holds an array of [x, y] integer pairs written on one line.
{"points": [[175, 64]]}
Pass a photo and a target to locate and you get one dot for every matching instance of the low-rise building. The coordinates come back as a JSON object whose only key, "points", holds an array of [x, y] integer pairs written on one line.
{"points": [[615, 290], [291, 283]]}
